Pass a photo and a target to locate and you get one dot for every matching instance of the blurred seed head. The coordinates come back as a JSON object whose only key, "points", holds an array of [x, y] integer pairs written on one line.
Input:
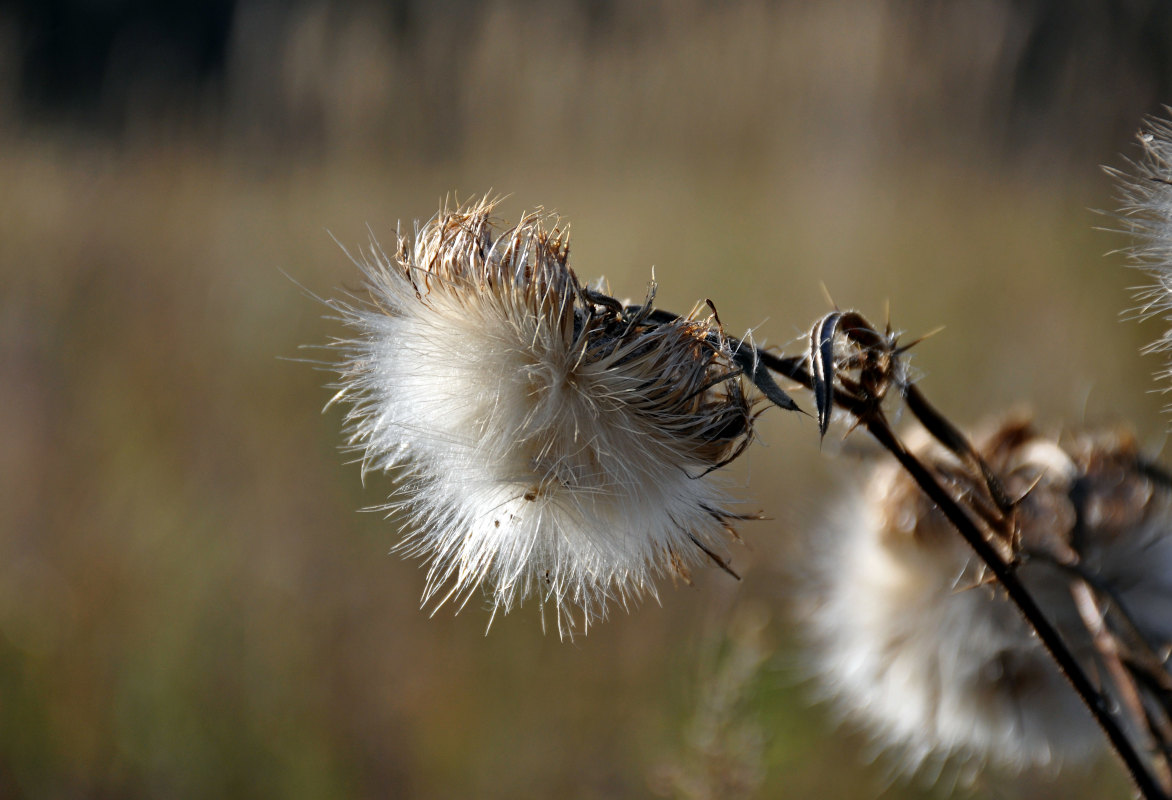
{"points": [[547, 440], [915, 642]]}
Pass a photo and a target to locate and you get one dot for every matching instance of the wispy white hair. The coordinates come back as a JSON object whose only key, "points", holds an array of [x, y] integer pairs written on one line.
{"points": [[547, 440], [1146, 213]]}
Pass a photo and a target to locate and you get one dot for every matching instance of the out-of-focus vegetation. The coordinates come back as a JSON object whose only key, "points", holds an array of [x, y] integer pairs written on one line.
{"points": [[190, 604]]}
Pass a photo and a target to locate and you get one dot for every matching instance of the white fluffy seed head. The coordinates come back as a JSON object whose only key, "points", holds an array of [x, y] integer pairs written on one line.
{"points": [[916, 644], [547, 440]]}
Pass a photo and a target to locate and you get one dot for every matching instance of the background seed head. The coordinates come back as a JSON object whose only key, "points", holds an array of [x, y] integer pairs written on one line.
{"points": [[917, 644]]}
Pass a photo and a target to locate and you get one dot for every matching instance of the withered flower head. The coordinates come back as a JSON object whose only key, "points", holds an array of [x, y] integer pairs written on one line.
{"points": [[547, 439], [917, 641]]}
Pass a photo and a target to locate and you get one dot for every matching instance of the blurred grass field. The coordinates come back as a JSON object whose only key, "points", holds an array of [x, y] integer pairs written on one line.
{"points": [[191, 604]]}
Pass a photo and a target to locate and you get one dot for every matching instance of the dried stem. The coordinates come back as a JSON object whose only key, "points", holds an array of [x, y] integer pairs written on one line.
{"points": [[1108, 649]]}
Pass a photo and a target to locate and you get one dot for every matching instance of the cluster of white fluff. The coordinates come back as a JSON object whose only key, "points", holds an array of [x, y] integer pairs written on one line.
{"points": [[547, 440], [914, 640]]}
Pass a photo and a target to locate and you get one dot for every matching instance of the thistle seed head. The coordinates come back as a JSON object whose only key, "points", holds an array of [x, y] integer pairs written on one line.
{"points": [[547, 439], [916, 641]]}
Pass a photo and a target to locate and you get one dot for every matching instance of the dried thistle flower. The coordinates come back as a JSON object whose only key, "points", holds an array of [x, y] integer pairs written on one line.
{"points": [[916, 643], [547, 439]]}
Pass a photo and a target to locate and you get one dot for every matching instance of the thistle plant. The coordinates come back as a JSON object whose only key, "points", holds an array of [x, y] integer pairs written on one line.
{"points": [[978, 597], [1079, 533], [568, 451]]}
